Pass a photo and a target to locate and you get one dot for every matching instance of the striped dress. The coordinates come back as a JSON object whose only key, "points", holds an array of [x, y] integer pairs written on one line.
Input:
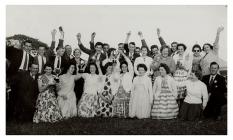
{"points": [[165, 105]]}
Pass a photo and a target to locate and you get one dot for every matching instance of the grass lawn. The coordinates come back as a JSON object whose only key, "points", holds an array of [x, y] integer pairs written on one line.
{"points": [[116, 126]]}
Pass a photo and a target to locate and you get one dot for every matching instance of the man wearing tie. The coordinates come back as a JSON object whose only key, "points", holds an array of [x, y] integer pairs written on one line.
{"points": [[19, 59], [216, 86], [40, 59], [24, 93]]}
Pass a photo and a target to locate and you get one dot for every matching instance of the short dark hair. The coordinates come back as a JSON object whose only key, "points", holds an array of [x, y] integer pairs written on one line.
{"points": [[67, 66], [165, 66], [174, 42], [154, 46], [59, 47], [67, 45], [183, 45], [196, 46], [132, 43], [142, 66], [122, 63], [93, 64], [107, 65], [198, 74], [120, 44], [208, 44], [110, 51], [145, 47], [106, 44], [48, 65], [27, 41], [214, 63], [137, 48], [99, 44], [164, 47]]}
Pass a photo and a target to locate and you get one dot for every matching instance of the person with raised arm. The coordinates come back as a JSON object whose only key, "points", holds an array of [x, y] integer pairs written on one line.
{"points": [[94, 54], [88, 103], [122, 97], [130, 48], [163, 43], [57, 60], [211, 53]]}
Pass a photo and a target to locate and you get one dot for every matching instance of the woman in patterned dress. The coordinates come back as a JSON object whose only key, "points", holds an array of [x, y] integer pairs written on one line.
{"points": [[121, 99], [108, 88], [47, 109], [183, 61], [87, 105], [165, 93]]}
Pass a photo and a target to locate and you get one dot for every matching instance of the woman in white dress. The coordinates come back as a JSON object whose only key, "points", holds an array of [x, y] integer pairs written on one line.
{"points": [[66, 95], [142, 97], [88, 105]]}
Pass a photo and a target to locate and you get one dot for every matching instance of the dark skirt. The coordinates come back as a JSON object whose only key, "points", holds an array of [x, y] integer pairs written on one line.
{"points": [[190, 112]]}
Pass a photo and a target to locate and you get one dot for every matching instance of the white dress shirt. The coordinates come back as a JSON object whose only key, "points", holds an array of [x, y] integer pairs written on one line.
{"points": [[56, 61], [40, 62], [25, 54]]}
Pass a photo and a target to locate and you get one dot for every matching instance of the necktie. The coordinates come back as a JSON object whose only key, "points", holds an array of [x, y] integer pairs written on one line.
{"points": [[58, 62], [25, 62], [212, 80], [42, 60]]}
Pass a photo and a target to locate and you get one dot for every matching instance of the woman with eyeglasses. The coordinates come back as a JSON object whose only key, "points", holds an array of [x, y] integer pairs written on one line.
{"points": [[196, 57], [211, 53]]}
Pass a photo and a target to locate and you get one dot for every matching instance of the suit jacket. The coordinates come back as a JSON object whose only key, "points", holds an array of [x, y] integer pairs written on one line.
{"points": [[15, 57], [36, 61], [126, 47], [25, 92], [217, 89], [91, 53]]}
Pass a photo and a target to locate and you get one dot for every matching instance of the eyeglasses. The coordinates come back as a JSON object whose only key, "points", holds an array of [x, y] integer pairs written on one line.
{"points": [[196, 50]]}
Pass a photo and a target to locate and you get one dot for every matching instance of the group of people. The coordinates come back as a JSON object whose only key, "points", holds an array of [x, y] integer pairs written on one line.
{"points": [[127, 82]]}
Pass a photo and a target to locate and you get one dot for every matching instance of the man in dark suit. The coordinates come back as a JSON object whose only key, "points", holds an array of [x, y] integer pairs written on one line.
{"points": [[94, 54], [24, 94], [130, 49], [216, 86], [57, 60], [41, 59], [19, 59]]}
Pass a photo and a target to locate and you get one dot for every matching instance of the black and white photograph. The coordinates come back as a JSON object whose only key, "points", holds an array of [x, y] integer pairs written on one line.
{"points": [[116, 70]]}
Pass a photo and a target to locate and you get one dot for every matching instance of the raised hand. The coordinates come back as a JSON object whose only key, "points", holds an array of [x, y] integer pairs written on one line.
{"points": [[97, 62], [158, 32], [78, 36], [62, 33], [128, 33], [220, 29], [93, 35], [140, 34], [53, 32]]}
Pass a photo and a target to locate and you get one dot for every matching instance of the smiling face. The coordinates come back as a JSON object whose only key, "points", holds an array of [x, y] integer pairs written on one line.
{"points": [[34, 69], [98, 49], [68, 49], [77, 53], [92, 69], [71, 69], [162, 71], [165, 52], [105, 48], [155, 50], [144, 51], [131, 48], [181, 50], [48, 70], [207, 48], [109, 70], [27, 47], [214, 69], [196, 51], [41, 51], [141, 71], [124, 68]]}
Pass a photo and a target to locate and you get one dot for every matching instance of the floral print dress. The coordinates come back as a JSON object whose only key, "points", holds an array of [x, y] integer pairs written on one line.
{"points": [[47, 109]]}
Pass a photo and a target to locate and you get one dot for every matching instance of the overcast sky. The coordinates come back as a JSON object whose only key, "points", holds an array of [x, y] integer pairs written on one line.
{"points": [[185, 24]]}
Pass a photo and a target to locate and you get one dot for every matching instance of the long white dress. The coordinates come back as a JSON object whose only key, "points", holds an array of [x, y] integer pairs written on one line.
{"points": [[141, 97], [68, 106]]}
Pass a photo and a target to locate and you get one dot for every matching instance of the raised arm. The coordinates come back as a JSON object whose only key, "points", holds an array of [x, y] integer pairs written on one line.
{"points": [[85, 50], [130, 65], [142, 39], [126, 46], [50, 51], [161, 40], [61, 39], [216, 42], [135, 66], [92, 42]]}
